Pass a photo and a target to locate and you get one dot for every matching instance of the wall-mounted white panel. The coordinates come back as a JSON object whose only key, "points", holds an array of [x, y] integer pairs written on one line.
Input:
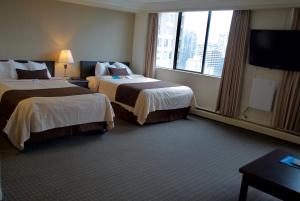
{"points": [[262, 94]]}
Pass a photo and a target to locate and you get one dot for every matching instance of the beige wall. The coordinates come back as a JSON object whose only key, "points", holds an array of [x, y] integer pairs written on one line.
{"points": [[139, 42], [39, 29], [263, 19], [206, 88]]}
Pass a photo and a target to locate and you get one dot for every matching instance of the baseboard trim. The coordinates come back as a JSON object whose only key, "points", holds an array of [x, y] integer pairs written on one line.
{"points": [[247, 125]]}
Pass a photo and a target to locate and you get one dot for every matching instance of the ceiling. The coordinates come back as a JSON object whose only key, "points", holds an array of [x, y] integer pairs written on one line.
{"points": [[176, 5]]}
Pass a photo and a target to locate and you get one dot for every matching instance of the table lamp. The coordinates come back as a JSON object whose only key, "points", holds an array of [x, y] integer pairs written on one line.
{"points": [[66, 58]]}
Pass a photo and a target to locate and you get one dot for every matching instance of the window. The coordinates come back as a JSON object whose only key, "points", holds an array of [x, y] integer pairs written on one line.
{"points": [[167, 27], [191, 37], [197, 40], [166, 43], [217, 42]]}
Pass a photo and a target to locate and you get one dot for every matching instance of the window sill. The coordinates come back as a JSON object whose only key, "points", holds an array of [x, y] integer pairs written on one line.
{"points": [[188, 72]]}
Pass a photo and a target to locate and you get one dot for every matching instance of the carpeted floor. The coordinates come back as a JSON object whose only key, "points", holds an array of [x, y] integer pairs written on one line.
{"points": [[186, 160]]}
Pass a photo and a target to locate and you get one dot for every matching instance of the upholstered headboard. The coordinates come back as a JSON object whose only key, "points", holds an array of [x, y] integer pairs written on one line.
{"points": [[49, 64], [87, 68]]}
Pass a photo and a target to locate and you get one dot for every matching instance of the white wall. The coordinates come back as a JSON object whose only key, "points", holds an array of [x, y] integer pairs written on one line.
{"points": [[195, 5], [139, 42], [206, 88], [263, 19], [39, 29]]}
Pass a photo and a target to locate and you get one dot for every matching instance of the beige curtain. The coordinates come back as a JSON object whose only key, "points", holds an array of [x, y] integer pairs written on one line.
{"points": [[295, 21], [234, 64], [151, 45], [287, 107]]}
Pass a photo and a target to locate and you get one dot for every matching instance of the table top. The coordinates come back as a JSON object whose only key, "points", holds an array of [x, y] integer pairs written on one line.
{"points": [[269, 167]]}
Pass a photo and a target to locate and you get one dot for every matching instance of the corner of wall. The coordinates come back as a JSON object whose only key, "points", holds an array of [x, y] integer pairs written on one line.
{"points": [[139, 42]]}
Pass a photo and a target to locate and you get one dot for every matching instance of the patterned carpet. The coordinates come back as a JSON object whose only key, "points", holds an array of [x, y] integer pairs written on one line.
{"points": [[186, 160]]}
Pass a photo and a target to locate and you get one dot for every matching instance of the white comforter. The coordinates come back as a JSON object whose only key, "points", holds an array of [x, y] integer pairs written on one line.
{"points": [[39, 114], [149, 100]]}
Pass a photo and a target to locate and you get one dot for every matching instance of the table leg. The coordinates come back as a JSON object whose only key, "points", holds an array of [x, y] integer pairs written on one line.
{"points": [[244, 189]]}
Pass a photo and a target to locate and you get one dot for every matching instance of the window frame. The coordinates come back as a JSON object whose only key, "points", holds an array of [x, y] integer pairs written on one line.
{"points": [[178, 32]]}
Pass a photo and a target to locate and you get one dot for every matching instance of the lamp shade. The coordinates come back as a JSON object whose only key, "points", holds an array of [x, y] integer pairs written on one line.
{"points": [[66, 57]]}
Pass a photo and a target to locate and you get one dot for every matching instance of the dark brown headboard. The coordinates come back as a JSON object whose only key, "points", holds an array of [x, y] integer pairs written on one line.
{"points": [[49, 64], [87, 68]]}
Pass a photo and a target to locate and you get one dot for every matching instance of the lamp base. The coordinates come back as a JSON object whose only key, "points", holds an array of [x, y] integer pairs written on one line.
{"points": [[65, 67]]}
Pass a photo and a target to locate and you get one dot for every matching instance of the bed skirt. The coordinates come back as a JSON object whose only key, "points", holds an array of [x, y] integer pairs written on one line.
{"points": [[153, 117], [96, 127]]}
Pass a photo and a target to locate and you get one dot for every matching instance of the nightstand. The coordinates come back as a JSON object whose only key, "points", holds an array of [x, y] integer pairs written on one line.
{"points": [[79, 82]]}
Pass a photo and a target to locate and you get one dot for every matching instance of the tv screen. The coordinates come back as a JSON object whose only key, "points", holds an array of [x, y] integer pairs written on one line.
{"points": [[275, 49]]}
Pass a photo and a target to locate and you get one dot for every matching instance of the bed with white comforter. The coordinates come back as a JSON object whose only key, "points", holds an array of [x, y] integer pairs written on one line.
{"points": [[149, 100], [39, 114]]}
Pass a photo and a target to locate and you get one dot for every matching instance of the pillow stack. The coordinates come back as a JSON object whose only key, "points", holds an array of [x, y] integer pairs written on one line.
{"points": [[16, 65], [15, 70], [32, 74], [38, 66], [116, 69], [5, 70]]}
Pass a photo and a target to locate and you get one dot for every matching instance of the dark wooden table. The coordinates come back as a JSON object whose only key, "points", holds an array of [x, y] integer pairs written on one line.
{"points": [[270, 176]]}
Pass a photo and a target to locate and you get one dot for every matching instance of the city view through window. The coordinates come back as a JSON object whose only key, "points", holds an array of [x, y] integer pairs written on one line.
{"points": [[202, 41], [167, 27]]}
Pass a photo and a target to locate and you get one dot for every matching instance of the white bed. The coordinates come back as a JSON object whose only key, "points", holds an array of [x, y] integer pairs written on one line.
{"points": [[149, 100], [39, 114]]}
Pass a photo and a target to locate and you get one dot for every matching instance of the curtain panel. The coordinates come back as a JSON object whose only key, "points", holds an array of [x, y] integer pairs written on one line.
{"points": [[151, 45], [287, 106], [235, 61]]}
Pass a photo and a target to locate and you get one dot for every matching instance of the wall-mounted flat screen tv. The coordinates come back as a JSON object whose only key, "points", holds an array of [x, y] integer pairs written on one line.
{"points": [[276, 49]]}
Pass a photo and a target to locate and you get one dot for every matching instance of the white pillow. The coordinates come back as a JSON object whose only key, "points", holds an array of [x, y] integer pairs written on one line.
{"points": [[16, 65], [5, 69], [113, 66], [93, 83], [101, 69], [110, 66], [121, 65], [38, 66]]}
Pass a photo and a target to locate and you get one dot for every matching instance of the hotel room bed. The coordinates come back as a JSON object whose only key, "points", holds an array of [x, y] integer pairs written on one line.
{"points": [[139, 99], [38, 109]]}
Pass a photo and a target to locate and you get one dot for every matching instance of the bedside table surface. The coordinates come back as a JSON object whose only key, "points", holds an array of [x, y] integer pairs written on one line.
{"points": [[81, 83], [77, 80]]}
